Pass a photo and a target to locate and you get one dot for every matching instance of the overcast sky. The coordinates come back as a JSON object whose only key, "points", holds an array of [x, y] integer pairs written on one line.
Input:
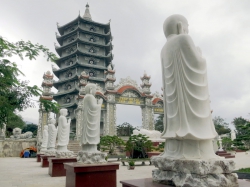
{"points": [[220, 28]]}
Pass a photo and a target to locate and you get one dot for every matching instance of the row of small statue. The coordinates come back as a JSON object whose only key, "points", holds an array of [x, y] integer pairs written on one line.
{"points": [[90, 131]]}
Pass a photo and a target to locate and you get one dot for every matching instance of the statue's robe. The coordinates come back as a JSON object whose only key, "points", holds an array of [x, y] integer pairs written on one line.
{"points": [[186, 98], [63, 131], [45, 139], [52, 136], [91, 120]]}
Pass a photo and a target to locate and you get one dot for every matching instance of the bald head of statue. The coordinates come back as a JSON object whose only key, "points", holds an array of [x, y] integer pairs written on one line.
{"points": [[175, 24]]}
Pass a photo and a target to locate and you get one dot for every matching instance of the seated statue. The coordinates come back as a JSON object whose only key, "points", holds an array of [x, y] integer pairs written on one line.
{"points": [[91, 119], [45, 139], [63, 131], [52, 135]]}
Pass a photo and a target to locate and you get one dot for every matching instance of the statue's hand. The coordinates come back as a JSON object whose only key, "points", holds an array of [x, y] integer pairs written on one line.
{"points": [[99, 101], [69, 120]]}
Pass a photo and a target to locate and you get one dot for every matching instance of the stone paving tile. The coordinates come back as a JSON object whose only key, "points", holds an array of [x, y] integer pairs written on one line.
{"points": [[20, 172]]}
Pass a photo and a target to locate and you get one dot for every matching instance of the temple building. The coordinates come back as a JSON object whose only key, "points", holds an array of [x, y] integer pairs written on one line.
{"points": [[86, 56]]}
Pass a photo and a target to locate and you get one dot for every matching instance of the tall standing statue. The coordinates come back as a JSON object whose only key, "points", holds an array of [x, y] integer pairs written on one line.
{"points": [[90, 125], [45, 139], [63, 135], [52, 135], [189, 129]]}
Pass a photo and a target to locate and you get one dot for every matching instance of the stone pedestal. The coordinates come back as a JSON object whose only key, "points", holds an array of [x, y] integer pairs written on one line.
{"points": [[200, 173], [44, 161], [91, 158], [38, 157], [56, 166], [94, 175], [147, 182]]}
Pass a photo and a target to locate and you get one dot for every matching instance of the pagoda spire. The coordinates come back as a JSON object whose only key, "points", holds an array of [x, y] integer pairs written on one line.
{"points": [[87, 13]]}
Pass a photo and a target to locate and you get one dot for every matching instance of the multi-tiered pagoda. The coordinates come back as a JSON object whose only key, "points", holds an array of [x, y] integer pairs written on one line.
{"points": [[85, 56]]}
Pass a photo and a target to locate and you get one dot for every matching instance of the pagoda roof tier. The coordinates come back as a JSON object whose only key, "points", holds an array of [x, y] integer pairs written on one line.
{"points": [[60, 39], [58, 71], [79, 18], [68, 105], [145, 76], [57, 83], [110, 71], [97, 93], [108, 57], [47, 83], [108, 46], [66, 92], [110, 79], [146, 84]]}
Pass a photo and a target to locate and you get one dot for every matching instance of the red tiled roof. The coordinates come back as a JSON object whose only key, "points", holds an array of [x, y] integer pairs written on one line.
{"points": [[156, 100]]}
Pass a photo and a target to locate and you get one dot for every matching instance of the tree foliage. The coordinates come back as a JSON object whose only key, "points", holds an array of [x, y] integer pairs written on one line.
{"points": [[221, 126], [159, 125], [138, 146], [109, 143], [30, 127], [227, 143], [125, 129], [242, 140], [15, 95]]}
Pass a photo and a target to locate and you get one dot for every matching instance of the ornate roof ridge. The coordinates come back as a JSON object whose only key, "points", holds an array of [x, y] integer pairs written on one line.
{"points": [[128, 81]]}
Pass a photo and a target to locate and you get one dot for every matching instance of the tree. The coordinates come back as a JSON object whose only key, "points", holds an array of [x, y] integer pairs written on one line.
{"points": [[125, 129], [221, 126], [15, 95], [242, 140], [30, 127], [227, 143], [109, 143], [138, 146], [159, 125]]}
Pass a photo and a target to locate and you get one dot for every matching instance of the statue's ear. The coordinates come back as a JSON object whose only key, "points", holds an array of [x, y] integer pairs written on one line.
{"points": [[180, 28]]}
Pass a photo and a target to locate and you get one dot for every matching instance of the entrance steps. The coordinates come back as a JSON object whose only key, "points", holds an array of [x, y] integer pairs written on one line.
{"points": [[225, 154], [74, 146]]}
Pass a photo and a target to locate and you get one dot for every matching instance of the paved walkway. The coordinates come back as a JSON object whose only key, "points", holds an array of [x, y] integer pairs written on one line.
{"points": [[26, 172]]}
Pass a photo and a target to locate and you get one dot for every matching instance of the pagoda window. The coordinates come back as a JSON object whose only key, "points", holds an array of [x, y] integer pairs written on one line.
{"points": [[70, 74], [92, 29], [71, 62], [92, 39], [91, 61], [92, 74], [92, 50], [68, 100], [69, 87]]}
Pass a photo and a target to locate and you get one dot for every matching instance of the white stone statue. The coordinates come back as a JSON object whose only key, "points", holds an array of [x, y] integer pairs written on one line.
{"points": [[220, 143], [233, 135], [63, 130], [188, 127], [45, 139], [63, 135], [90, 128], [91, 119], [52, 135]]}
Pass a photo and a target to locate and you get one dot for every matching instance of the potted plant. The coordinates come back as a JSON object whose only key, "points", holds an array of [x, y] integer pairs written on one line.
{"points": [[131, 165]]}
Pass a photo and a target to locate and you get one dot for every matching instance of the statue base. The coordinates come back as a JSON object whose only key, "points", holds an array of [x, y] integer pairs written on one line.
{"points": [[50, 153], [2, 137], [38, 157], [91, 157], [79, 174], [65, 154], [44, 161], [202, 173], [56, 166]]}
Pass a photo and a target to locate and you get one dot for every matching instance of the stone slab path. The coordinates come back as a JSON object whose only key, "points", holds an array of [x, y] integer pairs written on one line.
{"points": [[26, 172]]}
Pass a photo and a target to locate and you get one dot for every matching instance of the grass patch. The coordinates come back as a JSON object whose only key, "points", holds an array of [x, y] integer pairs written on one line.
{"points": [[244, 170]]}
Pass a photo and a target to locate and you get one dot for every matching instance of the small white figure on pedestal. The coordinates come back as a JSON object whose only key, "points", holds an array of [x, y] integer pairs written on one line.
{"points": [[233, 135], [63, 135], [220, 143], [45, 139], [52, 135]]}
